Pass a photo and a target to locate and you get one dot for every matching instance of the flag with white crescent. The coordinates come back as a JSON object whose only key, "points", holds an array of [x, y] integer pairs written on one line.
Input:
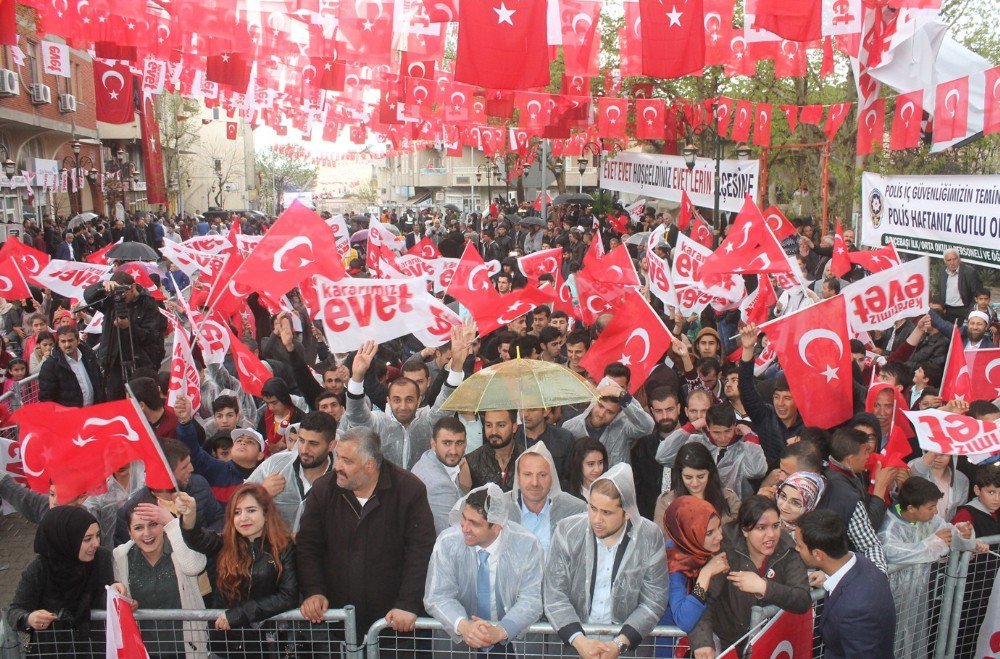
{"points": [[956, 382]]}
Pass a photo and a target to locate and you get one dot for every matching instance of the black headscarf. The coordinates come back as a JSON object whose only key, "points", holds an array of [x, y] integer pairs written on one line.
{"points": [[57, 543]]}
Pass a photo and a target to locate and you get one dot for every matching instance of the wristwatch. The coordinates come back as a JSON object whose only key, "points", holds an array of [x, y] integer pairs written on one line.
{"points": [[622, 646]]}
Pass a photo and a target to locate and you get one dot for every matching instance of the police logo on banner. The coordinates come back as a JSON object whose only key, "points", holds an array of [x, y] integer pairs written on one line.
{"points": [[875, 206]]}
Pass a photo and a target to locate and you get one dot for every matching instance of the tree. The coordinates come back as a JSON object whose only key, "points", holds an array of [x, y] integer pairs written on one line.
{"points": [[367, 193], [178, 133], [278, 173]]}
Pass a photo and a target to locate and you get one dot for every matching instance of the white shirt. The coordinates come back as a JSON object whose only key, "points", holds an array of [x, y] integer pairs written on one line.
{"points": [[952, 298], [833, 580], [453, 473], [492, 561], [80, 371], [306, 485], [600, 607]]}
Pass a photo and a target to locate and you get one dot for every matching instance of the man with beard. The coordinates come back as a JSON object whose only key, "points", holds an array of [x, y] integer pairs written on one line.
{"points": [[288, 476], [493, 462], [442, 468], [537, 430], [974, 334], [665, 408]]}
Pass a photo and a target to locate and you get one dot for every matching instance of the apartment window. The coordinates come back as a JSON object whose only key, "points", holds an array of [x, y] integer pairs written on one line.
{"points": [[34, 74]]}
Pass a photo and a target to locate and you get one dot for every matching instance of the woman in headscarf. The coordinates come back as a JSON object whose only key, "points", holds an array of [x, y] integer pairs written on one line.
{"points": [[62, 584], [797, 495], [694, 540]]}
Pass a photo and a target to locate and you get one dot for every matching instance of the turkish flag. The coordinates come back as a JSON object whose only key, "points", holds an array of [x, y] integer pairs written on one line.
{"points": [[100, 257], [250, 370], [796, 21], [224, 294], [121, 631], [545, 262], [756, 307], [13, 285], [580, 22], [875, 260], [723, 113], [840, 265], [813, 346], [871, 127], [113, 92], [635, 337], [956, 382], [228, 69], [787, 633], [811, 114], [516, 54], [779, 224], [77, 448], [30, 260], [687, 212], [231, 130], [425, 249], [296, 246], [835, 118], [672, 40], [152, 153], [991, 110], [791, 116], [951, 110], [762, 125], [650, 115], [142, 278], [742, 118], [750, 247], [701, 233], [612, 116], [906, 120], [984, 369]]}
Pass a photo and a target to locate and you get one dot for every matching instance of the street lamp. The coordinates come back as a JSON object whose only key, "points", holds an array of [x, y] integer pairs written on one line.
{"points": [[488, 168], [596, 148], [690, 153], [581, 164], [9, 166], [75, 163], [126, 170], [742, 152]]}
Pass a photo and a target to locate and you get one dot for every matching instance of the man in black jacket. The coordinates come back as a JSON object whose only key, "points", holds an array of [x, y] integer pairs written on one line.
{"points": [[133, 330], [959, 283], [71, 376]]}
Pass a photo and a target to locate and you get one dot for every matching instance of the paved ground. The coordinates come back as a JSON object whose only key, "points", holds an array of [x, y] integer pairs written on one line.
{"points": [[16, 541]]}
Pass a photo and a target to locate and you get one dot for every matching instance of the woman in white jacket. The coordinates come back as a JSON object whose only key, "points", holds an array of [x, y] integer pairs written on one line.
{"points": [[161, 572]]}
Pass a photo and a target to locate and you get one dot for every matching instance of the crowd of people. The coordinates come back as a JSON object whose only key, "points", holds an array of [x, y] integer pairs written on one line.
{"points": [[685, 504]]}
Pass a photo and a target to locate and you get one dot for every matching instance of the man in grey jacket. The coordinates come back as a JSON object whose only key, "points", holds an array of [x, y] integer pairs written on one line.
{"points": [[537, 502], [484, 581], [443, 470], [616, 419], [606, 567], [405, 430], [288, 476]]}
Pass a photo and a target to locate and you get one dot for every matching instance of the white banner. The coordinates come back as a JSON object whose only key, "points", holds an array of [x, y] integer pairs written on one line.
{"points": [[70, 278], [879, 300], [184, 376], [55, 58], [954, 434], [210, 244], [356, 310], [929, 214], [665, 177], [693, 295], [191, 261]]}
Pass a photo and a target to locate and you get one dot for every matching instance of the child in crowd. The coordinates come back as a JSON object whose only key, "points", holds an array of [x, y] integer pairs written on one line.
{"points": [[915, 537], [940, 470], [16, 370]]}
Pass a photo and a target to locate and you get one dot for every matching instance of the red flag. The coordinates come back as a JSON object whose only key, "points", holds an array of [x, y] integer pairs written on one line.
{"points": [[835, 119], [906, 119], [762, 127], [152, 156], [618, 222], [295, 247], [991, 111], [871, 126], [231, 130], [779, 224], [222, 292], [796, 21], [100, 256], [636, 337], [875, 260], [749, 248], [518, 35], [141, 277], [840, 265], [787, 633], [612, 116], [251, 371], [228, 69], [956, 382], [792, 116], [184, 376], [650, 116], [545, 262], [13, 286], [425, 249], [756, 307], [77, 448], [30, 260], [701, 233], [672, 38], [951, 110], [742, 117], [813, 346], [113, 92], [984, 369], [687, 213], [124, 640]]}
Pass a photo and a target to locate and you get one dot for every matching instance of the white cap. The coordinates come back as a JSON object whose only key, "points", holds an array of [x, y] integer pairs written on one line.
{"points": [[980, 315], [247, 432]]}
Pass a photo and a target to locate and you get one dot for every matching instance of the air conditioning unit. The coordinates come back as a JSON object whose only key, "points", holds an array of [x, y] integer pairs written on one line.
{"points": [[67, 103], [8, 83], [40, 94]]}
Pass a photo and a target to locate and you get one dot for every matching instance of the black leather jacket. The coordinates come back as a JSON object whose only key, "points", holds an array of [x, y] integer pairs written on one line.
{"points": [[268, 594]]}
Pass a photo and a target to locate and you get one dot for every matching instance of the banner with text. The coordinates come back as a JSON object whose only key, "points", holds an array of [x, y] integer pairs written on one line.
{"points": [[929, 214], [665, 177]]}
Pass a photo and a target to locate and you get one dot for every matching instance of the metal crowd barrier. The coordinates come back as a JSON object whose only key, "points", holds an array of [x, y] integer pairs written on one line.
{"points": [[972, 576], [761, 614], [25, 392], [539, 640], [191, 634]]}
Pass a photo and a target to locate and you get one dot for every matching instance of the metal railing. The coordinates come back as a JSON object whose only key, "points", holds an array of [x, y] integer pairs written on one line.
{"points": [[191, 634], [25, 392], [972, 576], [538, 640]]}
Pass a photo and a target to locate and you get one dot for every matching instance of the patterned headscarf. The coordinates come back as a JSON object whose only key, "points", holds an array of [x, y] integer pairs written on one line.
{"points": [[811, 486]]}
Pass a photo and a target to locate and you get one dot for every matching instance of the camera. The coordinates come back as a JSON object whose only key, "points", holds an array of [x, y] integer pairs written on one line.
{"points": [[120, 302]]}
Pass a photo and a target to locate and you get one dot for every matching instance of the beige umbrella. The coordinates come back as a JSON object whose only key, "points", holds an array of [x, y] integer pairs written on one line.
{"points": [[520, 384]]}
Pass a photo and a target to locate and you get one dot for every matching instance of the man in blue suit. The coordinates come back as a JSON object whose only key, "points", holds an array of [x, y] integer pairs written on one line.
{"points": [[858, 617], [64, 250]]}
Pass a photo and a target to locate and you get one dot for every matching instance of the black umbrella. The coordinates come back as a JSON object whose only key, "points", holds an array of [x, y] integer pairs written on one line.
{"points": [[537, 221], [452, 207], [132, 251], [573, 198]]}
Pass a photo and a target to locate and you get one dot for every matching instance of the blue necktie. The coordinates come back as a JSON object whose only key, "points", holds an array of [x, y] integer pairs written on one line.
{"points": [[483, 590]]}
